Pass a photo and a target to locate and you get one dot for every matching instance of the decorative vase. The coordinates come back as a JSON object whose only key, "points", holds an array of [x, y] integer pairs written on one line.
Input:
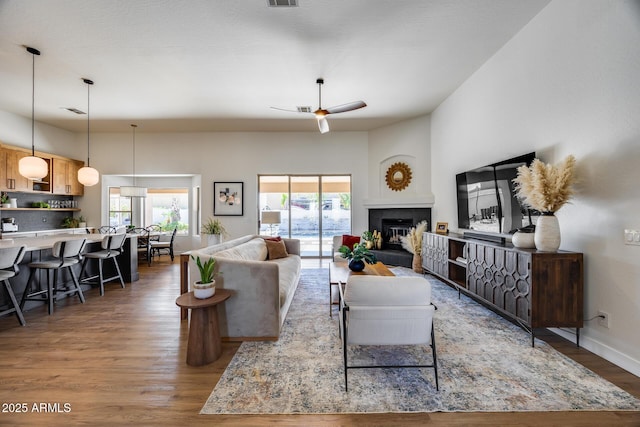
{"points": [[417, 263], [204, 290], [547, 235], [368, 244], [523, 239], [356, 265]]}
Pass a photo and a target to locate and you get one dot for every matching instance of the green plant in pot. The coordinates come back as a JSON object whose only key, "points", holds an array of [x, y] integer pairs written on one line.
{"points": [[357, 256], [214, 230], [70, 222], [206, 286], [369, 239]]}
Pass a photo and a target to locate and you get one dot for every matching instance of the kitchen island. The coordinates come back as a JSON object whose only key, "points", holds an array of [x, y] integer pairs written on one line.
{"points": [[39, 248]]}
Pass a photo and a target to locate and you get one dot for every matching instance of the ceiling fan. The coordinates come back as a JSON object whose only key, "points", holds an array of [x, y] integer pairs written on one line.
{"points": [[321, 113]]}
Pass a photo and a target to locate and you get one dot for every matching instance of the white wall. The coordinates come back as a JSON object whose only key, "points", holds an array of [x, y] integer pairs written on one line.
{"points": [[566, 84], [234, 156], [408, 142]]}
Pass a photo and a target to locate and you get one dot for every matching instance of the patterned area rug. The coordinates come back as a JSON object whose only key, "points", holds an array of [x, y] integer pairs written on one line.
{"points": [[485, 364]]}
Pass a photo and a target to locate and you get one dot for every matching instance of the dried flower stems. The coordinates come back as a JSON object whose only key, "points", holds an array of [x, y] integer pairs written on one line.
{"points": [[544, 187], [412, 242]]}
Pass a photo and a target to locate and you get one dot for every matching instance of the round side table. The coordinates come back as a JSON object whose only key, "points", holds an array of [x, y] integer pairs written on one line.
{"points": [[204, 344]]}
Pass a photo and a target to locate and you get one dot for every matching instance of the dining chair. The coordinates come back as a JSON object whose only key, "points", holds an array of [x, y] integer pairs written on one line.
{"points": [[66, 254], [144, 247], [9, 260], [111, 247], [107, 229], [157, 246]]}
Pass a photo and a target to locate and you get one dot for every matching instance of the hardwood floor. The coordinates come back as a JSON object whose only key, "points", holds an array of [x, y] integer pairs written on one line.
{"points": [[120, 360]]}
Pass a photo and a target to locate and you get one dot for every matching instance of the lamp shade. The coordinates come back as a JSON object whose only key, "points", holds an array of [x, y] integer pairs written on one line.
{"points": [[88, 176], [270, 217], [33, 168], [133, 191]]}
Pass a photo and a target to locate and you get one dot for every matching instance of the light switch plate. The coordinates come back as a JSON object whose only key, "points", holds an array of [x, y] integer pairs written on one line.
{"points": [[632, 237]]}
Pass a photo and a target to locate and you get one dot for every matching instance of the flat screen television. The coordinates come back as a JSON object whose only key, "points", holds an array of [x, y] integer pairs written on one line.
{"points": [[487, 203]]}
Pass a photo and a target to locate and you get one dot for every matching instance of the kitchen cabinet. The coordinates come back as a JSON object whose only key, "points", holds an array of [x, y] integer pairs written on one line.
{"points": [[65, 177], [12, 180]]}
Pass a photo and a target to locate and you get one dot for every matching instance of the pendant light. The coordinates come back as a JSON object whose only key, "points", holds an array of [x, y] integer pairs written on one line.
{"points": [[87, 175], [32, 167], [134, 190]]}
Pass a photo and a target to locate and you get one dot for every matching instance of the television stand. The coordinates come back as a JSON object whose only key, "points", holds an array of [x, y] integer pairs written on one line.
{"points": [[530, 288]]}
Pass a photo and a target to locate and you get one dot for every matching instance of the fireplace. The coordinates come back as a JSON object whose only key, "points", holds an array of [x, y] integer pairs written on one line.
{"points": [[396, 222], [393, 230]]}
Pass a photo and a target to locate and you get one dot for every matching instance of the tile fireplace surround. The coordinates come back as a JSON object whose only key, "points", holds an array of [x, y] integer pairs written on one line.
{"points": [[388, 221]]}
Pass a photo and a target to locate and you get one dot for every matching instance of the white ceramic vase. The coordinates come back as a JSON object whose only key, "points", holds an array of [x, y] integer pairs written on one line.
{"points": [[547, 235], [214, 239], [204, 290], [522, 239]]}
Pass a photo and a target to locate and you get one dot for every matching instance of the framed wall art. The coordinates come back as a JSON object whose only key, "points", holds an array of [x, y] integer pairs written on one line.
{"points": [[227, 198]]}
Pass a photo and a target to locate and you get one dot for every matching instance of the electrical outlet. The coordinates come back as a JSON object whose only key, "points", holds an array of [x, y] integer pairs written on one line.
{"points": [[604, 320], [631, 237]]}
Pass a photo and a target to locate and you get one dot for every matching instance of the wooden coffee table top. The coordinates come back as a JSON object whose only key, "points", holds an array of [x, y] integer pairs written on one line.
{"points": [[339, 271]]}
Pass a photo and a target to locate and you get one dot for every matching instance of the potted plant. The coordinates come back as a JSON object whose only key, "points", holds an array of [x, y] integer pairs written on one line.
{"points": [[214, 230], [82, 223], [357, 256], [70, 222], [206, 286], [4, 200]]}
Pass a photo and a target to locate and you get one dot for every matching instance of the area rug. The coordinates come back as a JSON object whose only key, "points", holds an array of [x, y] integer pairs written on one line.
{"points": [[485, 364]]}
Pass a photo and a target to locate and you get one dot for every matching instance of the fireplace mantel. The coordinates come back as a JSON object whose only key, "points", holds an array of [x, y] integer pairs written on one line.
{"points": [[426, 201]]}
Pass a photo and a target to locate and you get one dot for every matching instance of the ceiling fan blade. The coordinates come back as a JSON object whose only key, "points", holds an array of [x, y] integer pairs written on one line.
{"points": [[288, 111], [323, 125], [346, 107]]}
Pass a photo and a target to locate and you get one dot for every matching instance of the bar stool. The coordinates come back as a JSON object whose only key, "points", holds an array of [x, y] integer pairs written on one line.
{"points": [[67, 254], [9, 260], [111, 247]]}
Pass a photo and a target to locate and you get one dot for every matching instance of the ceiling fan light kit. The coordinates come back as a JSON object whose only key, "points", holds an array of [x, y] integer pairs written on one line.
{"points": [[322, 113]]}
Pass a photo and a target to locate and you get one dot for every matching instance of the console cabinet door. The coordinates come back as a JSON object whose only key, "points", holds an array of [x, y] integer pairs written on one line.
{"points": [[502, 277], [435, 254]]}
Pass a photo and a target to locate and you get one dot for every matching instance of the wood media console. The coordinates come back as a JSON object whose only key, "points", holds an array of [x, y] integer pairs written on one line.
{"points": [[534, 289]]}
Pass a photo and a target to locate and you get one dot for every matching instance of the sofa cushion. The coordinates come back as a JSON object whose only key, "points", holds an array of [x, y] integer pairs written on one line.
{"points": [[253, 250], [276, 249], [288, 272], [350, 241]]}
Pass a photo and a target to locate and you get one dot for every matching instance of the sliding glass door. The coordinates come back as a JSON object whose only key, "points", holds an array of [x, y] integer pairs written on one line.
{"points": [[312, 208]]}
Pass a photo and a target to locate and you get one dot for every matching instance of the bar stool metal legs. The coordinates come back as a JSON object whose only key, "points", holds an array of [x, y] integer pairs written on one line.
{"points": [[9, 260]]}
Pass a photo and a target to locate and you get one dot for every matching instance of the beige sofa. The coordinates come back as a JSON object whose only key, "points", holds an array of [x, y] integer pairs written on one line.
{"points": [[262, 288]]}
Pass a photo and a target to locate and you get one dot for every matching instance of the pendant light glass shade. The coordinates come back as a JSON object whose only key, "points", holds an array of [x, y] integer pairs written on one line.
{"points": [[133, 190], [32, 167], [87, 175]]}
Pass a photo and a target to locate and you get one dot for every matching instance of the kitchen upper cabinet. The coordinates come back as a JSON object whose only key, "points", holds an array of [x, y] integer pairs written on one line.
{"points": [[11, 178], [65, 177]]}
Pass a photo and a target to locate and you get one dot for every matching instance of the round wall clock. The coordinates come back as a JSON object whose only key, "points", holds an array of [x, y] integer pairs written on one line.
{"points": [[398, 176]]}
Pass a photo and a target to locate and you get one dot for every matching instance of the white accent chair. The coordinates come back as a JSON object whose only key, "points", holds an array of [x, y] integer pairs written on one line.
{"points": [[377, 310]]}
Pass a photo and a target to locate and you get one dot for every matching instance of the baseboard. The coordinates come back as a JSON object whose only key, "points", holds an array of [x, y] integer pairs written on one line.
{"points": [[596, 347]]}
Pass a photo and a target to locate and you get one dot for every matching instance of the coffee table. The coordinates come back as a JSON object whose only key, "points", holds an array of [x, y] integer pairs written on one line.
{"points": [[339, 274], [204, 344]]}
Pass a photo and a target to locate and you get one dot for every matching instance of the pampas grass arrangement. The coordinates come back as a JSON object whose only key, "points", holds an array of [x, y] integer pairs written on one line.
{"points": [[412, 242], [545, 187]]}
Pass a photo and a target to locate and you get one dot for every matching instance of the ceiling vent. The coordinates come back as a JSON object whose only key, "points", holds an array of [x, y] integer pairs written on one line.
{"points": [[282, 3], [304, 109]]}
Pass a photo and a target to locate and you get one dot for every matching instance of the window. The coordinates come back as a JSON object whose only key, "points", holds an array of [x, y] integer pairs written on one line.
{"points": [[120, 211], [166, 207]]}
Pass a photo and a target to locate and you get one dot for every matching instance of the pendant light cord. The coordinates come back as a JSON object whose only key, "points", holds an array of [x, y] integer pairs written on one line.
{"points": [[89, 83], [33, 102], [134, 154]]}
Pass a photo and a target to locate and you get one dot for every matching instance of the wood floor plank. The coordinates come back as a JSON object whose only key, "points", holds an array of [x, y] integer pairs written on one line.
{"points": [[120, 359]]}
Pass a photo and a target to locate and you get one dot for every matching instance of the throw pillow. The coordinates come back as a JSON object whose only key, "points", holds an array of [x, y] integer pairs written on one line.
{"points": [[276, 249], [275, 239], [350, 241]]}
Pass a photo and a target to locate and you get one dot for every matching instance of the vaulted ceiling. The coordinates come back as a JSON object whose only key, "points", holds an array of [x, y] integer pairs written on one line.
{"points": [[203, 65]]}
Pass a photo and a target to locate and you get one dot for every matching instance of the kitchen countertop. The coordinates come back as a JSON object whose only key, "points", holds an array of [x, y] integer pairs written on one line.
{"points": [[20, 234], [46, 242]]}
